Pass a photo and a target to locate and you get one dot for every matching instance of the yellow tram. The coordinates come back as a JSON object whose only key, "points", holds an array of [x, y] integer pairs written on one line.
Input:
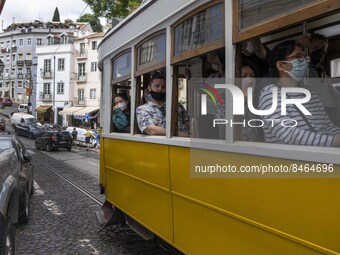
{"points": [[153, 179]]}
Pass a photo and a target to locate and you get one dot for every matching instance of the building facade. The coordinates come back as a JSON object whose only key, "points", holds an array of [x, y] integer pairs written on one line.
{"points": [[19, 63]]}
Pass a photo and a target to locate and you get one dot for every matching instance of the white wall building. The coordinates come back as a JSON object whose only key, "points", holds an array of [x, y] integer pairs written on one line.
{"points": [[87, 83], [56, 74]]}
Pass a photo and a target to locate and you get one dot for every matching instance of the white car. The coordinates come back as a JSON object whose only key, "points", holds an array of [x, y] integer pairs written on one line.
{"points": [[81, 137], [23, 108]]}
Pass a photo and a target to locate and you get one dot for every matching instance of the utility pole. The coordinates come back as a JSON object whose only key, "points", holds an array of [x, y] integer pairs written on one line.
{"points": [[54, 92]]}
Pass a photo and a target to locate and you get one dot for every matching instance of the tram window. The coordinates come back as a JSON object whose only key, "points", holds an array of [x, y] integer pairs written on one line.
{"points": [[150, 116], [322, 127], [121, 101], [255, 11], [193, 79], [121, 93]]}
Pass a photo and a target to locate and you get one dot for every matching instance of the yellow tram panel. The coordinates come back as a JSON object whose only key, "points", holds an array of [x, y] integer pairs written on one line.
{"points": [[138, 185], [294, 210]]}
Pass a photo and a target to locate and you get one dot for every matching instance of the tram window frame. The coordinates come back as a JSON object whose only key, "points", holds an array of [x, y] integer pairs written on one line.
{"points": [[175, 58], [280, 21], [148, 68], [118, 86], [185, 56], [144, 74]]}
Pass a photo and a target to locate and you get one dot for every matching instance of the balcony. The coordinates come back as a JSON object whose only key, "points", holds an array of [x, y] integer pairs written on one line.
{"points": [[28, 76], [14, 48], [20, 75], [45, 96], [20, 63], [28, 62], [82, 54], [46, 75], [82, 77], [79, 102]]}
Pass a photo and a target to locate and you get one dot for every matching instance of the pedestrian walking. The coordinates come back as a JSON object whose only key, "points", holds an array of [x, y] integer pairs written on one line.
{"points": [[88, 136], [74, 137]]}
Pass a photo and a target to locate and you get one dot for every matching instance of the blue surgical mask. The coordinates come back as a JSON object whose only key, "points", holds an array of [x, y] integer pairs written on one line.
{"points": [[299, 69]]}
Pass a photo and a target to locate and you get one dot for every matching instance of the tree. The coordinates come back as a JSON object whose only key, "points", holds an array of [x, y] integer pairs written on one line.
{"points": [[112, 8], [56, 16], [94, 21]]}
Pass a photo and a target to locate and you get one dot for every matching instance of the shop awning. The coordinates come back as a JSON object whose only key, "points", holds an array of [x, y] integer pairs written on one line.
{"points": [[87, 110], [42, 108], [70, 110]]}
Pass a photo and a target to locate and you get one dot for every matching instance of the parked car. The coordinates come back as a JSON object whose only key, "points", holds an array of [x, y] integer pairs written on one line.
{"points": [[51, 140], [30, 130], [2, 124], [7, 102], [23, 118], [81, 137], [16, 182], [52, 127], [23, 108], [1, 99]]}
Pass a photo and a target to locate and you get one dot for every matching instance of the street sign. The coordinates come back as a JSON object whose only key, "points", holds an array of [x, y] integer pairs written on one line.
{"points": [[29, 104], [86, 115]]}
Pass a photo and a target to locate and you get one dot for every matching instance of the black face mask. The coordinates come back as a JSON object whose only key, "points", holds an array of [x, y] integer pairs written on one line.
{"points": [[317, 56], [158, 96]]}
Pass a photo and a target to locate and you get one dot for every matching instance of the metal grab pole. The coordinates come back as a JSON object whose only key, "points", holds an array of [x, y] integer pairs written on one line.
{"points": [[305, 33]]}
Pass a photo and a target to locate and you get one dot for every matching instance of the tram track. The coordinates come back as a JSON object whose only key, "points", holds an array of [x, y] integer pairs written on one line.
{"points": [[73, 184], [166, 248]]}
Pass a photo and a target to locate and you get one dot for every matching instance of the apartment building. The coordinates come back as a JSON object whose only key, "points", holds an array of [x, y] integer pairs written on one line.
{"points": [[19, 64]]}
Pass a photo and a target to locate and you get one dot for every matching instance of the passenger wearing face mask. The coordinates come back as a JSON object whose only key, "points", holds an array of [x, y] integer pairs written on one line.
{"points": [[288, 67], [121, 113], [319, 82], [248, 80], [151, 117]]}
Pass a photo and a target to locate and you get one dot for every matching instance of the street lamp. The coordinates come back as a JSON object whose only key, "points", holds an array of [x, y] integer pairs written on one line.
{"points": [[1, 66]]}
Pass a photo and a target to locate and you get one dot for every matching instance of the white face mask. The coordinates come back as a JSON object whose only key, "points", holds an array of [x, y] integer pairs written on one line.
{"points": [[299, 69], [122, 105], [248, 82], [215, 67]]}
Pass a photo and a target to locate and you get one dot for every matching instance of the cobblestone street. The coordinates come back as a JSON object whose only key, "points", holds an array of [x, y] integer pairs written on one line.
{"points": [[63, 219]]}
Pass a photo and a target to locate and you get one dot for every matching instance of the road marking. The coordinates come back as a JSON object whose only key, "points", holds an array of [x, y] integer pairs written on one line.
{"points": [[52, 207], [91, 163], [37, 190]]}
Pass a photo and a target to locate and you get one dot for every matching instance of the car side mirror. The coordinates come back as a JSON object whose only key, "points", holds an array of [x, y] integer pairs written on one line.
{"points": [[27, 158]]}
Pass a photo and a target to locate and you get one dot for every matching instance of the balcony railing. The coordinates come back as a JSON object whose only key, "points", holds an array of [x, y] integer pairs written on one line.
{"points": [[28, 75], [45, 96], [20, 76], [82, 77], [20, 63], [82, 54], [46, 75], [28, 62], [79, 102]]}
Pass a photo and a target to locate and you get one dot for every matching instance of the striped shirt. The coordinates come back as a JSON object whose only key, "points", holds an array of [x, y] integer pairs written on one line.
{"points": [[315, 129]]}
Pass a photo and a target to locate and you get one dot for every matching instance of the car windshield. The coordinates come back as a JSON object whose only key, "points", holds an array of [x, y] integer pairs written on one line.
{"points": [[36, 126], [5, 145], [31, 121]]}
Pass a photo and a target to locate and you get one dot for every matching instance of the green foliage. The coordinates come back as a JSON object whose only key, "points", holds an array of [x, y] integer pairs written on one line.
{"points": [[56, 16], [112, 8], [94, 21]]}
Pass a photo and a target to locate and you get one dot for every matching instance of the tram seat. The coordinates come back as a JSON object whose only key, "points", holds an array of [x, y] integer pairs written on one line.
{"points": [[202, 127]]}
